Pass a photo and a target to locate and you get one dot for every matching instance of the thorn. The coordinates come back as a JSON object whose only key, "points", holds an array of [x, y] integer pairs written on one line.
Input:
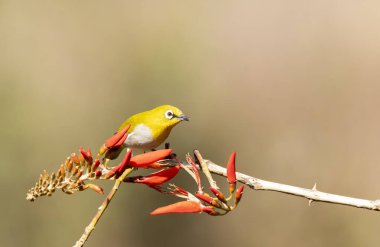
{"points": [[314, 187]]}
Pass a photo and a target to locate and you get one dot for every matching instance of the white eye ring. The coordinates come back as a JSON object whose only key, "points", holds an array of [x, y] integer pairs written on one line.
{"points": [[169, 114]]}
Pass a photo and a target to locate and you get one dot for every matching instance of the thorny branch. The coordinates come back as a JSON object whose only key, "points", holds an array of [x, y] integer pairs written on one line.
{"points": [[311, 194]]}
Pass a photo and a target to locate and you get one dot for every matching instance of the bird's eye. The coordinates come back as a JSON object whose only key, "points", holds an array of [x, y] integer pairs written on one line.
{"points": [[169, 114]]}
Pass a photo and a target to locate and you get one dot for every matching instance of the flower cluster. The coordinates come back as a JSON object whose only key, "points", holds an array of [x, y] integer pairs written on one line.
{"points": [[78, 169], [201, 201], [76, 173]]}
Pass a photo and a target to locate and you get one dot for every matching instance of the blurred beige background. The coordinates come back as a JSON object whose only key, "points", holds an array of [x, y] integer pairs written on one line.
{"points": [[292, 86]]}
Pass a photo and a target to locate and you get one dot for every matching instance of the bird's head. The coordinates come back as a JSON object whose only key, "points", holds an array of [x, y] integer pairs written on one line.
{"points": [[168, 115]]}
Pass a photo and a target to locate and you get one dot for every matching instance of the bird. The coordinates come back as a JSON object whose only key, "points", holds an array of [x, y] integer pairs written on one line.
{"points": [[149, 129]]}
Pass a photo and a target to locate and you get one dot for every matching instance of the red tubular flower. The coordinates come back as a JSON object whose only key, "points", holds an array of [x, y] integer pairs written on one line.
{"points": [[120, 168], [239, 194], [125, 162], [81, 159], [180, 207], [207, 199], [86, 155], [98, 173], [121, 141], [231, 173], [211, 211], [95, 165], [218, 194], [144, 160], [89, 153], [204, 198], [159, 177], [118, 138]]}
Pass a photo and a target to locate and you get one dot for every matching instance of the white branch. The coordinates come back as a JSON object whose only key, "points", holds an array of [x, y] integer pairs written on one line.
{"points": [[311, 194]]}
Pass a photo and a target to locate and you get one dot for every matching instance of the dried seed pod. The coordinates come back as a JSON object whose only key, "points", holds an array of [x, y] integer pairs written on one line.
{"points": [[44, 183], [69, 164], [75, 171], [55, 183], [40, 180], [79, 174], [68, 192], [52, 177], [62, 170], [45, 175]]}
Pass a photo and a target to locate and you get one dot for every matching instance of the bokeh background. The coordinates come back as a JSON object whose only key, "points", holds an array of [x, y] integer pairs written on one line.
{"points": [[292, 86]]}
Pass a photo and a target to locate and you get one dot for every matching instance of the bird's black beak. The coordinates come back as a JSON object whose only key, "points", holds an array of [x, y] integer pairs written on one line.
{"points": [[183, 117]]}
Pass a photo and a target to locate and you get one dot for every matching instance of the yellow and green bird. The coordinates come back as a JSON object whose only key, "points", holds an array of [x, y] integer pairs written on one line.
{"points": [[149, 129]]}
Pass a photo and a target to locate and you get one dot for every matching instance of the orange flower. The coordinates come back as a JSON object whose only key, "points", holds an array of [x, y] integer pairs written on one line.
{"points": [[159, 177], [119, 169], [94, 187], [75, 158], [181, 207], [207, 199], [118, 138], [146, 159]]}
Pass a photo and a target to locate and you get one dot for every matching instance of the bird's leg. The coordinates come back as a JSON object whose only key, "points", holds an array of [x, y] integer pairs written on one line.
{"points": [[111, 154], [172, 155]]}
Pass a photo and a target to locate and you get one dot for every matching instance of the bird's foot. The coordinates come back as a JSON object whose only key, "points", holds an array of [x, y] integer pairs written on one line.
{"points": [[172, 155]]}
